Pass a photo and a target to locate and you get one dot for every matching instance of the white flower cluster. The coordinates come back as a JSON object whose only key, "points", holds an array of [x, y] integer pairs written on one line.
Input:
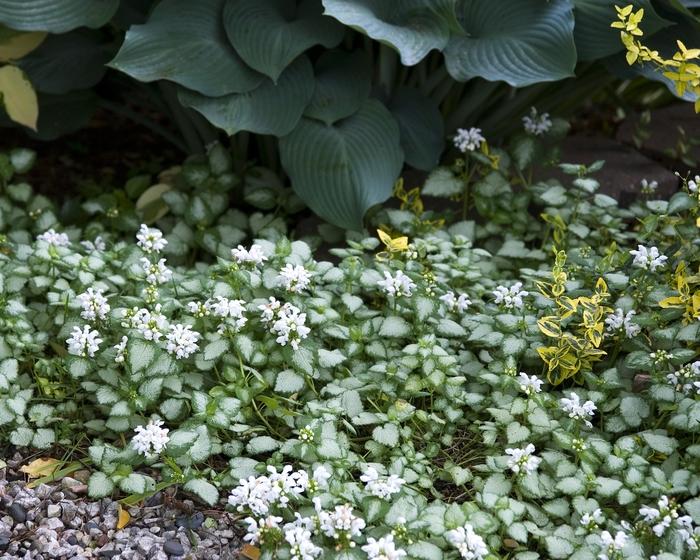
{"points": [[383, 488], [121, 350], [287, 322], [151, 240], [233, 309], [468, 139], [94, 305], [648, 259], [593, 520], [665, 516], [151, 324], [620, 320], [693, 185], [523, 461], [294, 278], [687, 379], [51, 237], [510, 297], [84, 342], [456, 303], [398, 285], [151, 440], [578, 411], [157, 272], [537, 124], [612, 546], [470, 545], [254, 256], [530, 384], [182, 341], [383, 549], [648, 187]]}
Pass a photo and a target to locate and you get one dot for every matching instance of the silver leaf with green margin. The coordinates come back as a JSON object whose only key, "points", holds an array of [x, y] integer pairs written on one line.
{"points": [[521, 43], [56, 16], [270, 34], [343, 83], [593, 35], [185, 42], [269, 109], [342, 170], [412, 27], [421, 125]]}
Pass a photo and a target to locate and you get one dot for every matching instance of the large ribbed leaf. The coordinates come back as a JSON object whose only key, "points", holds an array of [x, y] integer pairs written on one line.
{"points": [[412, 27], [56, 16], [521, 43], [270, 34], [66, 63], [269, 109], [184, 41], [343, 83], [421, 125], [342, 170], [595, 38]]}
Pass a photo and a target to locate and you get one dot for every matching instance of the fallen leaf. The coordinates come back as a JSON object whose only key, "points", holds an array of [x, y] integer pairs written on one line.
{"points": [[124, 517], [250, 551], [41, 467]]}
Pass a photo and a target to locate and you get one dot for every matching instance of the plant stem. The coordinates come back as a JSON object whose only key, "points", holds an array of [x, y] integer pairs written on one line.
{"points": [[189, 132]]}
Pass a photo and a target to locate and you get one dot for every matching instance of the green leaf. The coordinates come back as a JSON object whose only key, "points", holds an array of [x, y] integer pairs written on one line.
{"points": [[343, 82], [204, 490], [388, 435], [516, 432], [593, 35], [521, 43], [15, 45], [394, 327], [570, 486], [425, 551], [56, 16], [442, 183], [215, 349], [288, 381], [140, 354], [270, 109], [421, 127], [558, 547], [185, 42], [270, 34], [244, 345], [660, 443], [262, 444], [412, 27], [634, 409], [18, 96], [447, 327], [342, 170], [607, 487], [329, 359], [100, 485], [424, 307]]}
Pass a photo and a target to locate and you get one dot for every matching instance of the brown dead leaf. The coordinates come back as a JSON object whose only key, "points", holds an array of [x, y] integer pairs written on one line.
{"points": [[124, 517], [250, 551], [41, 467]]}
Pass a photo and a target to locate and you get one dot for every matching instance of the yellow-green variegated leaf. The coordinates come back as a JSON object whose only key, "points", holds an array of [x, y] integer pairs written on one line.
{"points": [[56, 16], [342, 170], [18, 96], [16, 44]]}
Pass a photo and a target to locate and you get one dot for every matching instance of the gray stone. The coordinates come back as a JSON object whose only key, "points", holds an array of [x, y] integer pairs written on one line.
{"points": [[69, 511], [53, 523], [17, 512], [54, 510], [145, 544], [173, 548]]}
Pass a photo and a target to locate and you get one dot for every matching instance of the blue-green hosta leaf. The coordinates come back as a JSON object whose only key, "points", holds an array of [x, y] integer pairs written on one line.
{"points": [[56, 16], [185, 42], [342, 170], [421, 126], [343, 83], [412, 27], [520, 43], [270, 34], [269, 109], [593, 35]]}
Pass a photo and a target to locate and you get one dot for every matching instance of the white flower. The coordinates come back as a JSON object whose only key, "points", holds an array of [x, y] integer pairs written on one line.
{"points": [[150, 324], [523, 460], [255, 256], [510, 297], [83, 342], [592, 520], [301, 545], [383, 549], [648, 259], [340, 523], [53, 238], [648, 187], [468, 140], [294, 278], [228, 308], [621, 320], [693, 184], [277, 488], [150, 239], [399, 285], [470, 545], [689, 534], [319, 478], [577, 410], [182, 341], [257, 529], [612, 545], [94, 246], [121, 349], [382, 488], [687, 379], [288, 323], [151, 440], [156, 273], [453, 302], [94, 305], [269, 310], [537, 124], [530, 384], [662, 518]]}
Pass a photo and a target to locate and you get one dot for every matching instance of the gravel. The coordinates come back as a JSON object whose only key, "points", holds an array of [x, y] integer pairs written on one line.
{"points": [[58, 521]]}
